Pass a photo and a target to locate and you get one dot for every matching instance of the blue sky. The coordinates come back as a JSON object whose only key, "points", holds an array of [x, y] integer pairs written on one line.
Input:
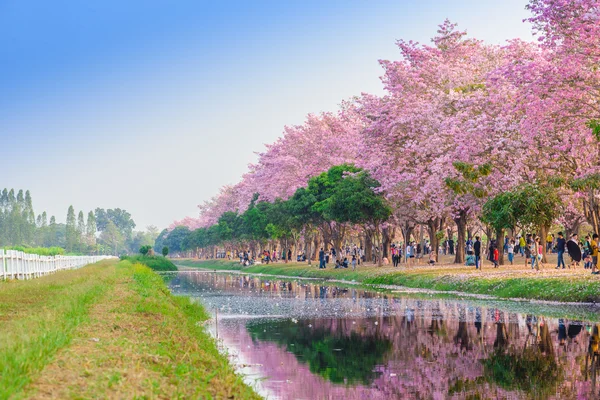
{"points": [[153, 105]]}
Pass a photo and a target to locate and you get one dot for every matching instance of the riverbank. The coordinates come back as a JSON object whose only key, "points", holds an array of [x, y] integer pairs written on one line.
{"points": [[109, 330], [508, 282]]}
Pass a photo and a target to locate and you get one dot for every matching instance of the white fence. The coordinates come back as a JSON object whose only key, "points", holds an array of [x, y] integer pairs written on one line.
{"points": [[18, 265]]}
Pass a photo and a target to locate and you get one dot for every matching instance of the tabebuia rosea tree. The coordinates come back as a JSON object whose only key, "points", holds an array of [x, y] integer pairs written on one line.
{"points": [[461, 124]]}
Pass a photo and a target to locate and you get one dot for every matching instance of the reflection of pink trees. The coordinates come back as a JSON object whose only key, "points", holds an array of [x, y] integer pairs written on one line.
{"points": [[437, 345]]}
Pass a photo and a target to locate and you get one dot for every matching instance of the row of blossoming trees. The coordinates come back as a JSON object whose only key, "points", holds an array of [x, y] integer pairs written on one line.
{"points": [[467, 135]]}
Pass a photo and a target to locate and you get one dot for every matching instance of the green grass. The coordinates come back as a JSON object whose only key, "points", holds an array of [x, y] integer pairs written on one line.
{"points": [[38, 318], [108, 331], [507, 283], [157, 263]]}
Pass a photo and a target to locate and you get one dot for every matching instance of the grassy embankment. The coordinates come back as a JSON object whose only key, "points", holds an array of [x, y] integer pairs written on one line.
{"points": [[156, 263], [505, 282], [110, 330]]}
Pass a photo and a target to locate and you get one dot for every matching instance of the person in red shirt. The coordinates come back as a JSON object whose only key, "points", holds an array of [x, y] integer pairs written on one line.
{"points": [[496, 255]]}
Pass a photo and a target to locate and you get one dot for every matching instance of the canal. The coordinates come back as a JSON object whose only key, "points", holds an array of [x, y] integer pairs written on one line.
{"points": [[295, 339]]}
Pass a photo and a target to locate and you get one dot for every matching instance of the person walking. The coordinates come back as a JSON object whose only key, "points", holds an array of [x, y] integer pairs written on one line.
{"points": [[535, 252], [394, 255], [528, 246], [574, 251], [511, 251], [522, 246], [353, 263], [409, 254], [477, 251], [492, 253], [549, 242], [322, 259], [561, 245]]}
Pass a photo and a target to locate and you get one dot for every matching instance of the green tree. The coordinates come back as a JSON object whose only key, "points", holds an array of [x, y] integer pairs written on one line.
{"points": [[81, 242], [140, 239], [165, 251], [499, 213], [145, 249], [351, 198], [90, 229], [112, 238], [177, 239], [255, 221], [120, 218], [305, 218], [71, 232], [159, 242], [537, 206], [28, 220]]}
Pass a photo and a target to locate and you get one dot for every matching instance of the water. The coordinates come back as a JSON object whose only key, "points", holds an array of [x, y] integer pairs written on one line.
{"points": [[303, 340]]}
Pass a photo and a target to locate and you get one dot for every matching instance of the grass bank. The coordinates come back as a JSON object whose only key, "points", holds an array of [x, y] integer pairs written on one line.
{"points": [[507, 282], [157, 263], [110, 330]]}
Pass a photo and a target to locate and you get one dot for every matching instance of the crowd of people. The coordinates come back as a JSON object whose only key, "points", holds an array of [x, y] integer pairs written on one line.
{"points": [[530, 248]]}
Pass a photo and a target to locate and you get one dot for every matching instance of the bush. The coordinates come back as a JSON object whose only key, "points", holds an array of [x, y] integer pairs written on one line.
{"points": [[154, 262], [145, 249], [42, 251]]}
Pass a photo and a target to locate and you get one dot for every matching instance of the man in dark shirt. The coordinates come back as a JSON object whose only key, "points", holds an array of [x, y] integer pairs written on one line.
{"points": [[561, 244], [477, 250], [321, 259]]}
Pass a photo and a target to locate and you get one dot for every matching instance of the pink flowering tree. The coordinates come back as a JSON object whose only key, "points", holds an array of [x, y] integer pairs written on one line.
{"points": [[426, 123]]}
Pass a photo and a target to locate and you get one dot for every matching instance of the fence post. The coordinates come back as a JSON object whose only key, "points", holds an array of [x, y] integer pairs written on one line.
{"points": [[2, 264]]}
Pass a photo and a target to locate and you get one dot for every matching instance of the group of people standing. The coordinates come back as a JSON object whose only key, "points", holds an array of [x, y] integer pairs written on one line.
{"points": [[530, 247], [324, 257]]}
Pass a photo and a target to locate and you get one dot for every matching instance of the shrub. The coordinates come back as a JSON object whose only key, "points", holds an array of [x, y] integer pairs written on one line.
{"points": [[42, 251], [145, 249]]}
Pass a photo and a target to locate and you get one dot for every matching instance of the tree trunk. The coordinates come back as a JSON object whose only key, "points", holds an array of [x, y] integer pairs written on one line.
{"points": [[432, 225], [326, 238], [488, 235], [378, 242], [572, 228], [407, 231], [338, 247], [500, 243], [386, 239], [368, 247], [461, 226], [543, 233], [591, 211]]}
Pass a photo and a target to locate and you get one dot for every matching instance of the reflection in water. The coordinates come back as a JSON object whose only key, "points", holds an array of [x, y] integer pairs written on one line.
{"points": [[532, 369], [311, 341], [335, 353]]}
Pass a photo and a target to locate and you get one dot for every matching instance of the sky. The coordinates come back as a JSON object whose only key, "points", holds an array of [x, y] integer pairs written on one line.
{"points": [[153, 105]]}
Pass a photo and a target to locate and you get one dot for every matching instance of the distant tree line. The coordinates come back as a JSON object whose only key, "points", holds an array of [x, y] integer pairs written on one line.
{"points": [[100, 231]]}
